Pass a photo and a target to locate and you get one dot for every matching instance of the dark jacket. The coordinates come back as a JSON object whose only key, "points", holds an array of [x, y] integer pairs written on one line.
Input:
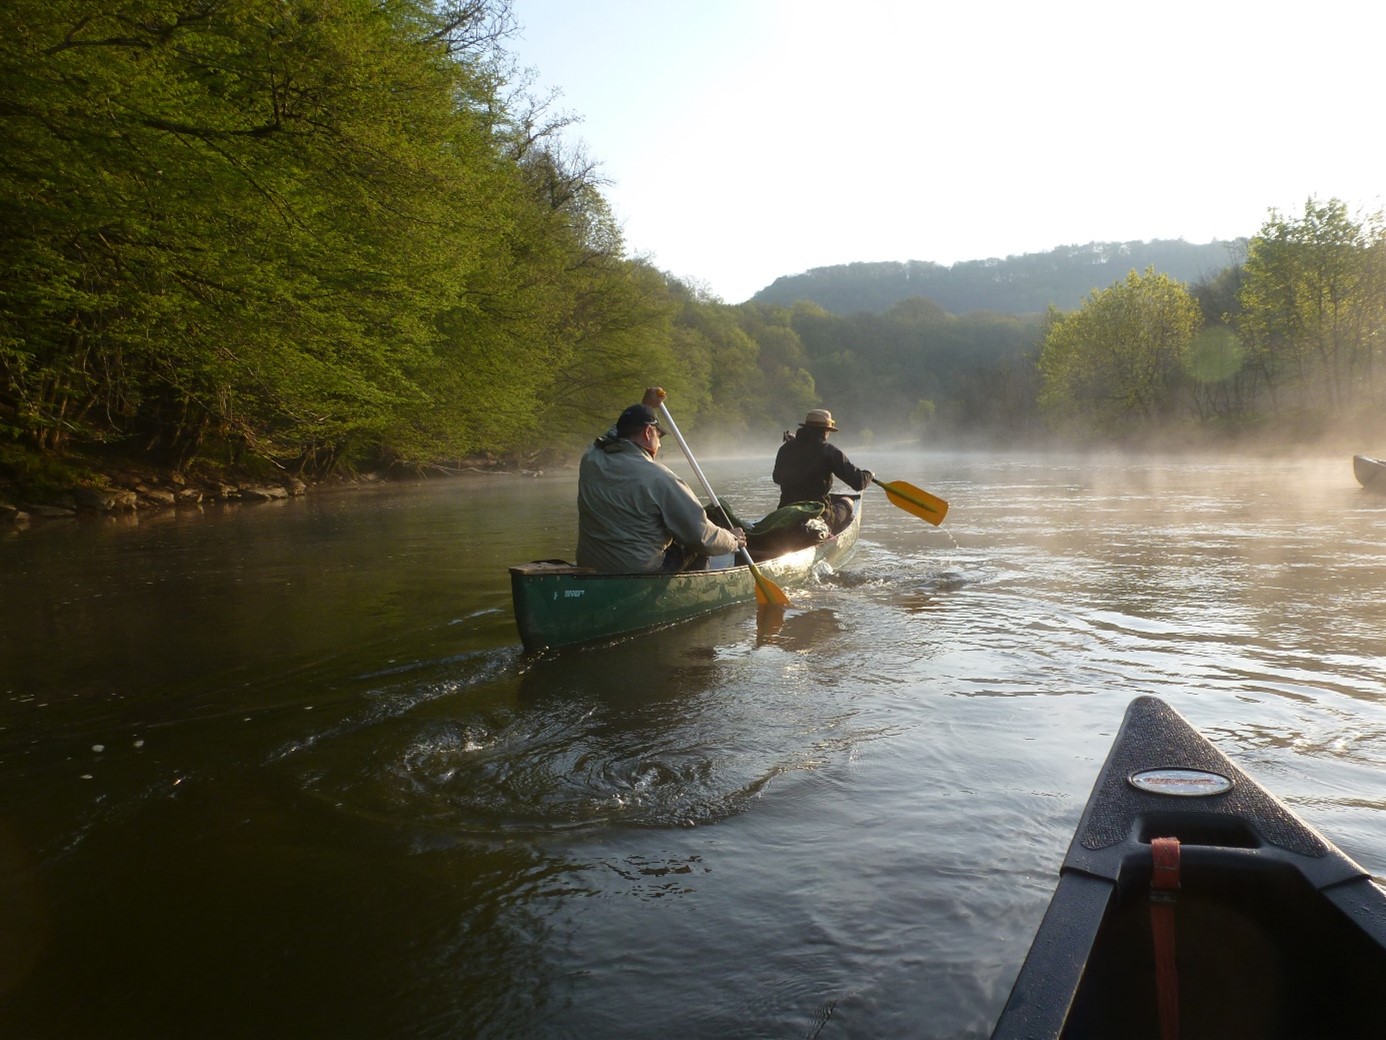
{"points": [[806, 465]]}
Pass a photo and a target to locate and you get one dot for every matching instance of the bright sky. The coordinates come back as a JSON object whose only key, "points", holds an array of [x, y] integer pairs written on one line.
{"points": [[748, 139]]}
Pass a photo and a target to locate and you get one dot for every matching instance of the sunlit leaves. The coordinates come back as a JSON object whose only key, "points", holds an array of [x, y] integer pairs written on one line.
{"points": [[1313, 305], [1114, 363], [308, 229]]}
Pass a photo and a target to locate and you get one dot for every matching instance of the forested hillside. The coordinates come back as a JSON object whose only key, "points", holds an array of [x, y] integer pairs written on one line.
{"points": [[1028, 284], [341, 234], [314, 235], [1287, 348]]}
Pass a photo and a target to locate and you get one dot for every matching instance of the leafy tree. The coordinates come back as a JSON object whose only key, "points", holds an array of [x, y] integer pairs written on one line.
{"points": [[725, 361], [310, 233], [1117, 362], [231, 205], [785, 387], [1000, 402], [1312, 307], [616, 337]]}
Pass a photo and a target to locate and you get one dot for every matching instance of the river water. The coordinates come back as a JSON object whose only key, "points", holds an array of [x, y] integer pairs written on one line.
{"points": [[283, 770]]}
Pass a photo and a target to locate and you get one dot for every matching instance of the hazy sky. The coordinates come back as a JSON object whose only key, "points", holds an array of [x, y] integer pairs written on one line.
{"points": [[748, 139]]}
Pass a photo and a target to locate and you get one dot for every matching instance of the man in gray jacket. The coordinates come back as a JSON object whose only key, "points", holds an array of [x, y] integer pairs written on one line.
{"points": [[634, 513]]}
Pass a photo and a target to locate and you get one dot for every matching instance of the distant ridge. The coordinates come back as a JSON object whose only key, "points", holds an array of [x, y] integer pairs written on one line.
{"points": [[1025, 284]]}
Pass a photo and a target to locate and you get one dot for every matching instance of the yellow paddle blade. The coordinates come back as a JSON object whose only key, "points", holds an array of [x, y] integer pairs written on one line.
{"points": [[915, 500], [768, 594]]}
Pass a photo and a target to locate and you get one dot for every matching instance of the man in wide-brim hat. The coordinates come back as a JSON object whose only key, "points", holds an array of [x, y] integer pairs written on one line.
{"points": [[807, 463]]}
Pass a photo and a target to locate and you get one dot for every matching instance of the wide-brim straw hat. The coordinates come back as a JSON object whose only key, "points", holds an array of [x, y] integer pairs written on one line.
{"points": [[820, 418]]}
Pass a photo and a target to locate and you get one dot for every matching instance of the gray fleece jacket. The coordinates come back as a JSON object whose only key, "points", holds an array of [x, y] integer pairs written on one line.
{"points": [[630, 508]]}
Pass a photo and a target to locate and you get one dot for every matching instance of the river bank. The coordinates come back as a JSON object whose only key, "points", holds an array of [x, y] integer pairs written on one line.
{"points": [[96, 486], [131, 487]]}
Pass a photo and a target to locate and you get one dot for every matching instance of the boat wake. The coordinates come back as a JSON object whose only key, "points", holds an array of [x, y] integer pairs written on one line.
{"points": [[531, 744]]}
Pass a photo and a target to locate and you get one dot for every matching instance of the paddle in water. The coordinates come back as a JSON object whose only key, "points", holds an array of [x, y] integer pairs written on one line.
{"points": [[914, 500], [768, 594]]}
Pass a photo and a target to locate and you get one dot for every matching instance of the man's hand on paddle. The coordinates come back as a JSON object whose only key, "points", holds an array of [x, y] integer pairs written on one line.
{"points": [[653, 396]]}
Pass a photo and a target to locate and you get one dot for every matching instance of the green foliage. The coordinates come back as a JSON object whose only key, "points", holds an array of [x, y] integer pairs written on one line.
{"points": [[31, 473], [615, 340], [785, 386], [1313, 305], [313, 231], [1116, 364], [878, 367], [923, 414]]}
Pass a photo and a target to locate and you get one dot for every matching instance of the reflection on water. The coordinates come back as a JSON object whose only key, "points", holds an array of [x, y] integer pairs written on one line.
{"points": [[286, 771], [802, 630]]}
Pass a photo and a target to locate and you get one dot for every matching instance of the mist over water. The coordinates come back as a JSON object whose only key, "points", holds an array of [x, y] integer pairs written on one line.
{"points": [[284, 770]]}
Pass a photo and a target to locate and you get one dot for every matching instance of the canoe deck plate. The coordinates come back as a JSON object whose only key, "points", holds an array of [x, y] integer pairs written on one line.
{"points": [[1181, 783]]}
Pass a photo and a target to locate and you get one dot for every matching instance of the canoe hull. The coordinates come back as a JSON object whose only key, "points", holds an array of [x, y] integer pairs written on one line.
{"points": [[557, 604], [1370, 473], [1277, 932]]}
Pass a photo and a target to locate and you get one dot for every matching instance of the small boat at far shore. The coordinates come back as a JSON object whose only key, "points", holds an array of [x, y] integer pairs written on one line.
{"points": [[1370, 473], [559, 604], [1194, 904]]}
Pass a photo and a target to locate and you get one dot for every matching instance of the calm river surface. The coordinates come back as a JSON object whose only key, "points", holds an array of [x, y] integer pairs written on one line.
{"points": [[283, 770]]}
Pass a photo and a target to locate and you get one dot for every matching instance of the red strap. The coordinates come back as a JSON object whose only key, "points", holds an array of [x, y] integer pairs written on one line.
{"points": [[1164, 889]]}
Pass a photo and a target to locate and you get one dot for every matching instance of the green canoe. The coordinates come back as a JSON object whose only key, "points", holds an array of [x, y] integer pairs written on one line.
{"points": [[558, 604]]}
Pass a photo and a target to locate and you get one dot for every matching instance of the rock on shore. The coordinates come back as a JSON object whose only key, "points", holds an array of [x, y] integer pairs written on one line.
{"points": [[130, 493]]}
